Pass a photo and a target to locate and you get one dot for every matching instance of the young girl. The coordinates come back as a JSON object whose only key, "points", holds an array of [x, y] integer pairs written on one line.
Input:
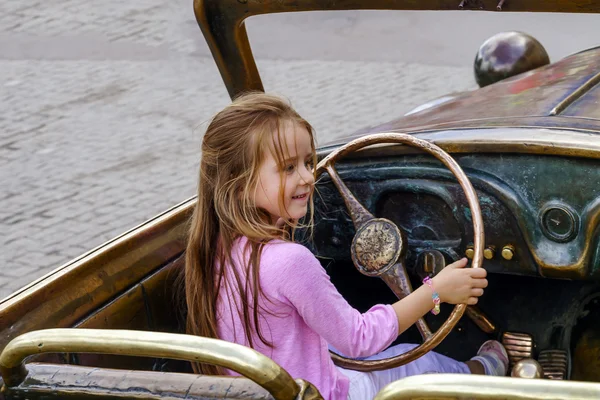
{"points": [[247, 282]]}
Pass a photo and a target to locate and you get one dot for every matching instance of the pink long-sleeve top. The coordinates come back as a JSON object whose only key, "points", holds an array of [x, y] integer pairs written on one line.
{"points": [[301, 314]]}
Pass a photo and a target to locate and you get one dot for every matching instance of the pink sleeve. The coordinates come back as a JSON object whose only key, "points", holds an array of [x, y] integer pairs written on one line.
{"points": [[304, 283]]}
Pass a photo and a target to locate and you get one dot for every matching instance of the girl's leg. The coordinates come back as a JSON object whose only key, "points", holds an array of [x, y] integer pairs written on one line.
{"points": [[365, 385], [491, 360], [362, 385], [476, 367], [431, 362]]}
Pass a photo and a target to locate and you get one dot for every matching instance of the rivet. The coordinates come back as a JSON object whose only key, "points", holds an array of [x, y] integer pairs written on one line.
{"points": [[508, 252], [470, 253], [489, 252]]}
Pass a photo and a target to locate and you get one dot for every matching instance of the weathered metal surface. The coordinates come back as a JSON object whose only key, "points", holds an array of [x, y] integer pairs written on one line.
{"points": [[481, 319], [585, 351], [73, 291], [222, 23], [524, 100], [63, 381], [555, 364], [519, 346], [84, 383], [452, 386], [476, 387], [155, 304], [241, 359], [585, 101], [496, 137]]}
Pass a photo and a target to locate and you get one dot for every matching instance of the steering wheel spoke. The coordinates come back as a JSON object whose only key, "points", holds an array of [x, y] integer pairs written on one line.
{"points": [[359, 214], [397, 280]]}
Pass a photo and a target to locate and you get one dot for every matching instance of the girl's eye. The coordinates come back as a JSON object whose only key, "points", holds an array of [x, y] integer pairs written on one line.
{"points": [[289, 168], [308, 164]]}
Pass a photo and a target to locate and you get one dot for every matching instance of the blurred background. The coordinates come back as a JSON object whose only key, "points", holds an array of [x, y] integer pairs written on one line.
{"points": [[103, 104]]}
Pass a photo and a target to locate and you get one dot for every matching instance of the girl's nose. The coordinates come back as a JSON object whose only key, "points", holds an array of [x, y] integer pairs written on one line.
{"points": [[307, 176]]}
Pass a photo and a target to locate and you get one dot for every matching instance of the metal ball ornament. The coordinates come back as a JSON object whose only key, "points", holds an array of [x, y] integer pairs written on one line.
{"points": [[508, 54]]}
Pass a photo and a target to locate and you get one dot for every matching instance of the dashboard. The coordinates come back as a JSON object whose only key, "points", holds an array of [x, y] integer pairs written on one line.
{"points": [[541, 213]]}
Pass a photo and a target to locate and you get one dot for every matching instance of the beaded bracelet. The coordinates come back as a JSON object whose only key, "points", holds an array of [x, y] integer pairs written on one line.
{"points": [[435, 296]]}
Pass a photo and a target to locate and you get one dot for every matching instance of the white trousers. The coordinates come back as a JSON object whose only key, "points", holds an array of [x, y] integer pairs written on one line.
{"points": [[365, 385]]}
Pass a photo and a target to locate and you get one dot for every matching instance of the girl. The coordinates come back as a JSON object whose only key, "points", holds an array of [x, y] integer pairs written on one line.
{"points": [[247, 282]]}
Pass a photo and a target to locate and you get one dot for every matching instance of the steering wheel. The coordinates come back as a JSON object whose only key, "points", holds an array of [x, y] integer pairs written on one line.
{"points": [[379, 246]]}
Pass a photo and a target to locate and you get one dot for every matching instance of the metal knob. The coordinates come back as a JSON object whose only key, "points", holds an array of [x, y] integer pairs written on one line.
{"points": [[433, 262], [527, 368], [508, 252], [489, 252], [470, 253]]}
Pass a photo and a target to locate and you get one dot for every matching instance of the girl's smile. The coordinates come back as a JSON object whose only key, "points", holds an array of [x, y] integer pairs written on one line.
{"points": [[302, 197]]}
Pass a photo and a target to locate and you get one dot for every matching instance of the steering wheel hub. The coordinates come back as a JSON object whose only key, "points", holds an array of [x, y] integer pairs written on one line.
{"points": [[377, 246]]}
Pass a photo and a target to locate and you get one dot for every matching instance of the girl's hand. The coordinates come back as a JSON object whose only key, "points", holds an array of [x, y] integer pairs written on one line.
{"points": [[456, 284]]}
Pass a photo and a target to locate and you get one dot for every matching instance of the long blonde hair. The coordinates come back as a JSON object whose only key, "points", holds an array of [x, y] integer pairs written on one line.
{"points": [[232, 152]]}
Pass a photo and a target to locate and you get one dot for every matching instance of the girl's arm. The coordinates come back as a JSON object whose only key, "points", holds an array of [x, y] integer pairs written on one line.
{"points": [[412, 307], [303, 283], [298, 279]]}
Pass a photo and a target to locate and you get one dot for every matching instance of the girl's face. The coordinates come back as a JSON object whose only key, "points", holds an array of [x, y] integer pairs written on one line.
{"points": [[294, 177]]}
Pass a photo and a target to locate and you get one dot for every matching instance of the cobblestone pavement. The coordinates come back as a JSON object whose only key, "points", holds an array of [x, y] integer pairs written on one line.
{"points": [[103, 106]]}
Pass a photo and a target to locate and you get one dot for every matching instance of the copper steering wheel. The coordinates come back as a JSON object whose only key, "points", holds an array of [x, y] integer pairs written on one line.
{"points": [[379, 246]]}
